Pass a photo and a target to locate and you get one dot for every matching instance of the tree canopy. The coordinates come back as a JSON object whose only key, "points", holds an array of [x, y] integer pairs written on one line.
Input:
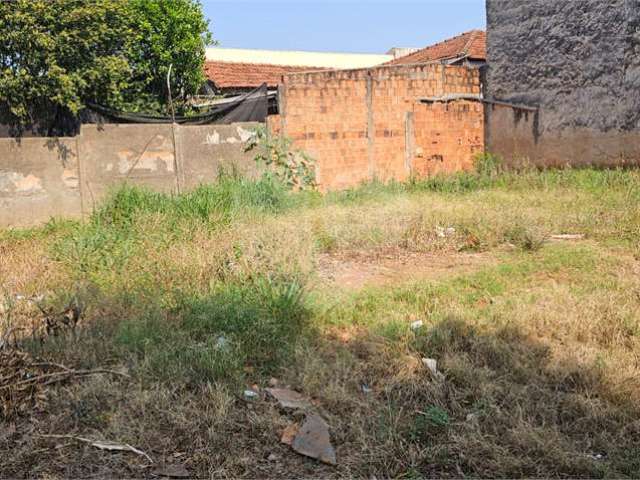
{"points": [[58, 55]]}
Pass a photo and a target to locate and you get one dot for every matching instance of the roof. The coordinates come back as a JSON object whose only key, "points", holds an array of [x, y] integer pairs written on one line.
{"points": [[239, 75], [471, 44], [296, 58]]}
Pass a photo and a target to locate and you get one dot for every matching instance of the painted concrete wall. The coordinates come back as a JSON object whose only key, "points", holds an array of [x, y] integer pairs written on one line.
{"points": [[204, 151], [138, 154], [42, 178], [580, 63], [39, 179]]}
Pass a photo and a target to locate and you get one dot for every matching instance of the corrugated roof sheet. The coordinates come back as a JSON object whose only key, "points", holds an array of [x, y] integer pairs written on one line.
{"points": [[296, 58]]}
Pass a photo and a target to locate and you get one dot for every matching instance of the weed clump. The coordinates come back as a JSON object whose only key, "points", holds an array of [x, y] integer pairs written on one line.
{"points": [[238, 327], [231, 196]]}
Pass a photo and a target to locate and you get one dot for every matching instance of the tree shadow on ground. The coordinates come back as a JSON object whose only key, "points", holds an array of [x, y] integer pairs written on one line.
{"points": [[506, 407]]}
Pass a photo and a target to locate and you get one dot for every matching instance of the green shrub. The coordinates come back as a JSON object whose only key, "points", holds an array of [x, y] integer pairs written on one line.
{"points": [[293, 167], [528, 238]]}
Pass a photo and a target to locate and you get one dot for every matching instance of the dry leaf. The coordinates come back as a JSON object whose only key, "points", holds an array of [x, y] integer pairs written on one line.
{"points": [[289, 433]]}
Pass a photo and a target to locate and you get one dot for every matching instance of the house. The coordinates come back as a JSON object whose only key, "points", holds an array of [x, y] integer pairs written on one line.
{"points": [[388, 121], [235, 70], [469, 48], [232, 71]]}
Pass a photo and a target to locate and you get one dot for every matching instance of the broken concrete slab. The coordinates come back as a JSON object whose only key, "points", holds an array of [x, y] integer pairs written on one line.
{"points": [[289, 398], [313, 440]]}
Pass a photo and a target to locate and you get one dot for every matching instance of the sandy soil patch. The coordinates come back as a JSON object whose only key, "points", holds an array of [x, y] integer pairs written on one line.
{"points": [[354, 270]]}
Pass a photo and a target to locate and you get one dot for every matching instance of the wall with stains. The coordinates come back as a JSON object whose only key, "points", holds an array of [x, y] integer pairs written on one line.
{"points": [[203, 152], [579, 62], [137, 154], [367, 124], [42, 178], [39, 179]]}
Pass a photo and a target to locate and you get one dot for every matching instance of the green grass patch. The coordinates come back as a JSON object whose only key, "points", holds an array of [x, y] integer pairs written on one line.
{"points": [[216, 337]]}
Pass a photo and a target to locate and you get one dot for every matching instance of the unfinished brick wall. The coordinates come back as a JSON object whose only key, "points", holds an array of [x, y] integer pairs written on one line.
{"points": [[448, 137], [369, 123]]}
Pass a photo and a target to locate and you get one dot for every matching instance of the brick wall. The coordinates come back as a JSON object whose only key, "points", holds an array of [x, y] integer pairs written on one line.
{"points": [[447, 136], [369, 123]]}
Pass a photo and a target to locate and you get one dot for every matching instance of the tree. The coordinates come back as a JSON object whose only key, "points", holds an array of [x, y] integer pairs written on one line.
{"points": [[174, 33], [57, 55]]}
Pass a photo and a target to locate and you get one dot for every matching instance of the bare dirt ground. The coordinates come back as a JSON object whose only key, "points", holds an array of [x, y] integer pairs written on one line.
{"points": [[359, 269]]}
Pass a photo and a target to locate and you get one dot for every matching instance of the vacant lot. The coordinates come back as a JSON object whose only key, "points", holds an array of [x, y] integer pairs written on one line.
{"points": [[190, 301]]}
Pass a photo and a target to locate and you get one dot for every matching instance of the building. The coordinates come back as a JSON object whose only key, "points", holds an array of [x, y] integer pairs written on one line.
{"points": [[235, 70], [387, 122], [574, 67], [469, 48], [398, 52]]}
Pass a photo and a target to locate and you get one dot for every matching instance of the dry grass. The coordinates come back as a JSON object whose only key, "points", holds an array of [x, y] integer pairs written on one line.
{"points": [[538, 342]]}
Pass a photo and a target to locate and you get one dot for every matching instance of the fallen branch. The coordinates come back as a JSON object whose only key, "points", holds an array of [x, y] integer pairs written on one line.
{"points": [[103, 444]]}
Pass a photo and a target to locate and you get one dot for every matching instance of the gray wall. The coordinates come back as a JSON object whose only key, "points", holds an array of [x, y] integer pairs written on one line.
{"points": [[39, 179], [42, 178], [579, 61]]}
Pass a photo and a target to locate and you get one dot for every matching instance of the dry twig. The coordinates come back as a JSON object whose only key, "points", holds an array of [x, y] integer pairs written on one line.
{"points": [[103, 444]]}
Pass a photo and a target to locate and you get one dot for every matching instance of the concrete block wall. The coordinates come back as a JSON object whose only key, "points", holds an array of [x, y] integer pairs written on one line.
{"points": [[42, 178], [113, 154], [364, 124], [579, 62]]}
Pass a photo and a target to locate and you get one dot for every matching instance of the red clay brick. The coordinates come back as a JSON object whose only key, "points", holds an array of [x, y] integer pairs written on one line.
{"points": [[446, 137]]}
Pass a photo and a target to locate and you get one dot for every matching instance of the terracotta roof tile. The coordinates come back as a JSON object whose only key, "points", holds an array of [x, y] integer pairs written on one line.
{"points": [[239, 75], [472, 44]]}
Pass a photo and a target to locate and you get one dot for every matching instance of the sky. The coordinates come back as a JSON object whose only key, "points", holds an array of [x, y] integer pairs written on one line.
{"points": [[340, 26]]}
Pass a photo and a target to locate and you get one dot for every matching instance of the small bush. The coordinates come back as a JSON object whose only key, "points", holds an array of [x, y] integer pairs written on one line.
{"points": [[436, 417], [432, 421], [325, 241], [293, 167]]}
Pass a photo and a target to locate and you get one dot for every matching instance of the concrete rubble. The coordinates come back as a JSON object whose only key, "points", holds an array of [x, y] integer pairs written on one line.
{"points": [[313, 440], [289, 399]]}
